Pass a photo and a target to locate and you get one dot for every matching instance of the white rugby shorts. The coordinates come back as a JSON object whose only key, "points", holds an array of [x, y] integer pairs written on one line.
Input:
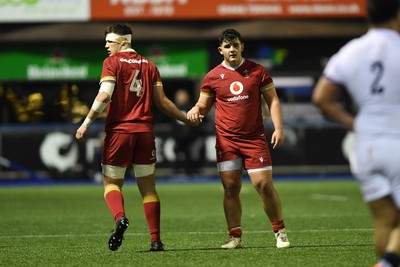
{"points": [[375, 164]]}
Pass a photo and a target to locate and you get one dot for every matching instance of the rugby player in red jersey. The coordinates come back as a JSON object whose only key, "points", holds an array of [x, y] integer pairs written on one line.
{"points": [[129, 85], [237, 86]]}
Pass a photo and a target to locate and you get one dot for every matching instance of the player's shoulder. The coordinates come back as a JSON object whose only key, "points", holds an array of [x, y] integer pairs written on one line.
{"points": [[110, 58], [115, 58], [361, 44], [254, 67], [141, 60], [214, 72], [250, 62], [145, 60]]}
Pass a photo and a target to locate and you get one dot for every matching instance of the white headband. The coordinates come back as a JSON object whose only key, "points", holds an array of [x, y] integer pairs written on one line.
{"points": [[113, 37]]}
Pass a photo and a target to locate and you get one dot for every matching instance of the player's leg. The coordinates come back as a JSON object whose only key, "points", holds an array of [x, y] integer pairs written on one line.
{"points": [[114, 158], [115, 202], [375, 165], [386, 218], [392, 252], [271, 202], [389, 153], [386, 210], [257, 161], [262, 182], [151, 202], [230, 169], [232, 183], [113, 196], [144, 168]]}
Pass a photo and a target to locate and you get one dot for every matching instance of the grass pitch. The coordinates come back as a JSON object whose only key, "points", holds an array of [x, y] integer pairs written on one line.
{"points": [[69, 225]]}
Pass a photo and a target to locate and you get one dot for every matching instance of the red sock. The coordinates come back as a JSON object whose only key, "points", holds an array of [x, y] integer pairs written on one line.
{"points": [[115, 203], [152, 211], [276, 226], [236, 231]]}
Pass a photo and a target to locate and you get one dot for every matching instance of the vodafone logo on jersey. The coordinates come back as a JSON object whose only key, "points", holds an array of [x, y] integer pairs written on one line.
{"points": [[236, 88]]}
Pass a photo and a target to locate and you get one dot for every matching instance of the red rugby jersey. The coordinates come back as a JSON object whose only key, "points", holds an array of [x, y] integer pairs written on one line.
{"points": [[130, 109], [237, 94]]}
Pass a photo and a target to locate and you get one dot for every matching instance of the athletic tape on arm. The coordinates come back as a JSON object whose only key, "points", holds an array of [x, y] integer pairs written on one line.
{"points": [[107, 87], [98, 106], [87, 122]]}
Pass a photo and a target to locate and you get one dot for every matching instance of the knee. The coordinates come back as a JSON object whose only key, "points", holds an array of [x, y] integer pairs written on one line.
{"points": [[231, 190], [264, 187], [107, 181]]}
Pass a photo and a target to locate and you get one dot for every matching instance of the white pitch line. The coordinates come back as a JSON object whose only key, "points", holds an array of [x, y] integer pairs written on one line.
{"points": [[189, 233], [329, 197], [327, 215]]}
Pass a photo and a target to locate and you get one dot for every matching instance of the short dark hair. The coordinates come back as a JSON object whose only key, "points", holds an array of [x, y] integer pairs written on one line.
{"points": [[229, 35], [380, 11], [120, 29]]}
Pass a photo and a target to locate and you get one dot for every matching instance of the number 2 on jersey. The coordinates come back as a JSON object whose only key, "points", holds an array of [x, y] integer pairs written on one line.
{"points": [[136, 84], [377, 68]]}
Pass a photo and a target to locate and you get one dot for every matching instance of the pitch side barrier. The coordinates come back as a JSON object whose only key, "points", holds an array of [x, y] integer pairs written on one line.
{"points": [[41, 152]]}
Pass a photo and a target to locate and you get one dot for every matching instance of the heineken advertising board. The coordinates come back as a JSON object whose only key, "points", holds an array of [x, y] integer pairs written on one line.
{"points": [[43, 62], [177, 60]]}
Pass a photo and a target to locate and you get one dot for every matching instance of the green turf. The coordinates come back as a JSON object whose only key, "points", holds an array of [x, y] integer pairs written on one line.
{"points": [[327, 224]]}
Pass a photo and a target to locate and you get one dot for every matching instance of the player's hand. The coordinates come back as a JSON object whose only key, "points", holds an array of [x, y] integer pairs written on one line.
{"points": [[277, 139], [80, 133], [190, 123], [194, 115]]}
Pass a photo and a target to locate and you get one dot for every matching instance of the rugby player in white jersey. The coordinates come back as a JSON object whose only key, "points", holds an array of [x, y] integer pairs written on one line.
{"points": [[368, 69]]}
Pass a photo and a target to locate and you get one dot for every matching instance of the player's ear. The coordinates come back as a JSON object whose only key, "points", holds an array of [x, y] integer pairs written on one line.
{"points": [[242, 47], [220, 50]]}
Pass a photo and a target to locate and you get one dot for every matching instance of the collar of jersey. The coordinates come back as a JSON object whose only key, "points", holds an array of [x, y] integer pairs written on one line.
{"points": [[229, 67], [128, 50]]}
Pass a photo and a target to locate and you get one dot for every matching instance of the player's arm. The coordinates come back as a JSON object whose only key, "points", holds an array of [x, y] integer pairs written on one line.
{"points": [[98, 106], [326, 97], [200, 109], [275, 110], [164, 104]]}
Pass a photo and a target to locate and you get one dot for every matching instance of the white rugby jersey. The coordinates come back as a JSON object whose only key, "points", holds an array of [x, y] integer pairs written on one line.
{"points": [[369, 68]]}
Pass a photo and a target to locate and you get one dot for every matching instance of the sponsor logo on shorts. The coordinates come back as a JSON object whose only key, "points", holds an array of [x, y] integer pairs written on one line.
{"points": [[153, 154]]}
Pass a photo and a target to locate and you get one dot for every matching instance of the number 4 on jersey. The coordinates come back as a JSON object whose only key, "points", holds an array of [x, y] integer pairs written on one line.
{"points": [[136, 84]]}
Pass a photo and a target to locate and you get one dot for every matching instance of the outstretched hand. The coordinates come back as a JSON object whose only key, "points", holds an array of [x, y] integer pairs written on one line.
{"points": [[194, 116], [191, 123]]}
